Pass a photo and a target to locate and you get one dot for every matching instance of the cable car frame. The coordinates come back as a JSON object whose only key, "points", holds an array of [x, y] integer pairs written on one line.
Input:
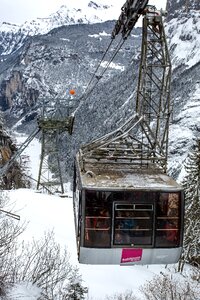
{"points": [[152, 203]]}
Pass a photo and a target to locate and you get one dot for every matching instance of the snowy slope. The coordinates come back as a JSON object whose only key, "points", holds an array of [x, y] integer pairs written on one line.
{"points": [[183, 133], [183, 36], [184, 39]]}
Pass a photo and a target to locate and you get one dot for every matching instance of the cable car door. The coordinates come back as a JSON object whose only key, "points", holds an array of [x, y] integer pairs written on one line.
{"points": [[133, 224]]}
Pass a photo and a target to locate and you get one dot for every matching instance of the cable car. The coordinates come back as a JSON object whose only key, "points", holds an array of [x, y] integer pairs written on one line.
{"points": [[127, 217], [127, 209]]}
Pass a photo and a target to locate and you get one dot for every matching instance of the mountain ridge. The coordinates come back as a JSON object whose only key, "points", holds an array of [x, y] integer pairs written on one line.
{"points": [[12, 36]]}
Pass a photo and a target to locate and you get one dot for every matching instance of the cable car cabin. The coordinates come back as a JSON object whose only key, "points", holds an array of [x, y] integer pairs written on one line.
{"points": [[127, 217]]}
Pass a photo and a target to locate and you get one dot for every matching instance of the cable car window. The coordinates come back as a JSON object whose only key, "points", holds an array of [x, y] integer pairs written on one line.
{"points": [[132, 227], [168, 220], [143, 207], [151, 223], [124, 206], [97, 220]]}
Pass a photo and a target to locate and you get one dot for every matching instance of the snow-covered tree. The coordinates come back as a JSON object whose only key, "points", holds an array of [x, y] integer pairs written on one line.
{"points": [[165, 287], [46, 265], [191, 184], [75, 290]]}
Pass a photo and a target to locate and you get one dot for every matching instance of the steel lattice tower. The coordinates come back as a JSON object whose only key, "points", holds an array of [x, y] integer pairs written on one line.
{"points": [[153, 93], [142, 142], [54, 121]]}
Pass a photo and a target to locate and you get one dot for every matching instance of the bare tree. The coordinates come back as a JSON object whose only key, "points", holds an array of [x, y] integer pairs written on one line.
{"points": [[165, 287], [9, 232], [41, 263], [46, 265]]}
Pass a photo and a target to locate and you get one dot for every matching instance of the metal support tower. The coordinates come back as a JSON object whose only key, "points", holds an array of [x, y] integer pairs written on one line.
{"points": [[153, 93], [142, 142], [53, 121]]}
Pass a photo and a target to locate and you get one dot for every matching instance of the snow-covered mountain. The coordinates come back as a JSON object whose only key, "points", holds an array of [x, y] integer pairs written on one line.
{"points": [[66, 57], [13, 36], [179, 8], [183, 33]]}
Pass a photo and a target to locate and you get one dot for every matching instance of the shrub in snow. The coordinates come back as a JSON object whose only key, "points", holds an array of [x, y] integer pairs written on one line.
{"points": [[164, 287], [46, 265], [128, 295], [9, 232], [42, 264]]}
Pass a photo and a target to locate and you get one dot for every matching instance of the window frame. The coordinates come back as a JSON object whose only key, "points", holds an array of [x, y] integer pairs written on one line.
{"points": [[114, 220], [148, 199]]}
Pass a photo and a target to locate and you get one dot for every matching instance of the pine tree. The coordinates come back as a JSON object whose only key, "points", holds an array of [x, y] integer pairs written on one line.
{"points": [[191, 184], [75, 289]]}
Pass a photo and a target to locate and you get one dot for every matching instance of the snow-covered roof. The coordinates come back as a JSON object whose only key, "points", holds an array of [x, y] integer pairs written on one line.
{"points": [[120, 177]]}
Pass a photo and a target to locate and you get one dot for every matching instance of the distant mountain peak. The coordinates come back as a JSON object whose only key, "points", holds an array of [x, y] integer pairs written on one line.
{"points": [[93, 4], [74, 12], [96, 6]]}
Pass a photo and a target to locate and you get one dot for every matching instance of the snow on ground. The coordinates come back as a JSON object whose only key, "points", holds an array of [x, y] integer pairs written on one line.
{"points": [[113, 66], [44, 213], [99, 35], [26, 291]]}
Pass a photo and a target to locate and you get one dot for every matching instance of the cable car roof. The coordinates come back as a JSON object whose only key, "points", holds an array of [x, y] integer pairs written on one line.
{"points": [[124, 176]]}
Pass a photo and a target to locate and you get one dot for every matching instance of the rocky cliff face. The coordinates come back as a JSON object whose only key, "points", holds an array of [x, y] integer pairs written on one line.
{"points": [[13, 89]]}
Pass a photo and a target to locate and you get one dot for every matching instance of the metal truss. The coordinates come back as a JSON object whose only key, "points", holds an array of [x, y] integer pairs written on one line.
{"points": [[143, 140], [153, 93]]}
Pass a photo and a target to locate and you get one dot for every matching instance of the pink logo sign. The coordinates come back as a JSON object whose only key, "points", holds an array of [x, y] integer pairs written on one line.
{"points": [[131, 255]]}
